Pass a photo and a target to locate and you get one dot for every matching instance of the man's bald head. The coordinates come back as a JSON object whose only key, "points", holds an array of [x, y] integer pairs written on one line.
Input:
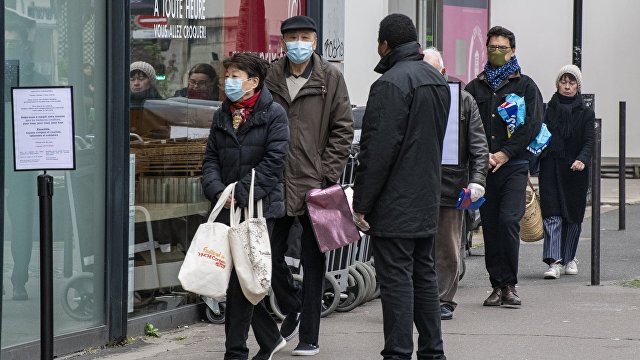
{"points": [[433, 57]]}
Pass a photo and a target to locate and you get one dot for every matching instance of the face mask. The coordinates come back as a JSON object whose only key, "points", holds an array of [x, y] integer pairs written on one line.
{"points": [[299, 51], [497, 58], [233, 89]]}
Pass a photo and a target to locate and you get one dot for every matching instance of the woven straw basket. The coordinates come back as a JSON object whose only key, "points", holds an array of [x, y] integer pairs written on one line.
{"points": [[531, 223]]}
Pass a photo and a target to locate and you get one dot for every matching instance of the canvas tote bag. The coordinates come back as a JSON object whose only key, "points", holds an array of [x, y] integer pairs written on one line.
{"points": [[207, 265], [251, 251]]}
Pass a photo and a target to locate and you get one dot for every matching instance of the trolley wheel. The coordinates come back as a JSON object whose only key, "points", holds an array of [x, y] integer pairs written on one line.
{"points": [[78, 297], [367, 273], [330, 295], [273, 302], [376, 291], [355, 291], [216, 318], [366, 276]]}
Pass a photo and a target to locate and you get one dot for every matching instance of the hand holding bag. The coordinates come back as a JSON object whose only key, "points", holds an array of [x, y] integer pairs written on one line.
{"points": [[331, 218], [207, 265], [531, 228], [251, 251]]}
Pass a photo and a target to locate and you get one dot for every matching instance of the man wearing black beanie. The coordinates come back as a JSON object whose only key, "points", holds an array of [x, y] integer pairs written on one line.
{"points": [[397, 188]]}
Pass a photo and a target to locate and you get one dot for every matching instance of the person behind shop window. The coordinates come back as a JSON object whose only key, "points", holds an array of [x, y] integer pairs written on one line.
{"points": [[20, 203], [471, 172], [508, 161], [249, 131], [315, 95], [202, 83], [563, 176], [397, 188], [142, 83]]}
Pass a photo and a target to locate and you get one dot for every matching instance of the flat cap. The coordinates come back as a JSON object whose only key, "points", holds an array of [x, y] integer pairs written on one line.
{"points": [[298, 23]]}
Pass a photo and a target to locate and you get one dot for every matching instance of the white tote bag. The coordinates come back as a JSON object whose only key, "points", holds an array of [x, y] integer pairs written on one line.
{"points": [[208, 263], [251, 251]]}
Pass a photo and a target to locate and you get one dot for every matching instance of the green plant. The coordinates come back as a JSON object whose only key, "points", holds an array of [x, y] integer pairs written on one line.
{"points": [[635, 283], [150, 330], [180, 338]]}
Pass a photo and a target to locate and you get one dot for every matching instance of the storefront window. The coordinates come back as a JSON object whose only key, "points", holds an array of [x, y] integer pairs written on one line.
{"points": [[465, 25], [54, 42], [176, 86]]}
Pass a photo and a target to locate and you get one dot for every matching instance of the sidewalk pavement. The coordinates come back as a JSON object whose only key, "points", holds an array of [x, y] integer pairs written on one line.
{"points": [[559, 319]]}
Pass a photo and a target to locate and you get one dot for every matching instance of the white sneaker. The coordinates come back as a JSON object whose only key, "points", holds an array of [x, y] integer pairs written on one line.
{"points": [[572, 267], [553, 272]]}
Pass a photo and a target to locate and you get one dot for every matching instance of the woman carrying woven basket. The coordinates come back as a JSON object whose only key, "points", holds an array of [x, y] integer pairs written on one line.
{"points": [[563, 176]]}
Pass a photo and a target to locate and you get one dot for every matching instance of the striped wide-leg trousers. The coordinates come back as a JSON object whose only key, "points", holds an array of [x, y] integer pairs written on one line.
{"points": [[560, 240]]}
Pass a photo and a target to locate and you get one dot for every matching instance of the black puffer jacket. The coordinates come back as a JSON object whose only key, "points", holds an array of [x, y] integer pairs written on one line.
{"points": [[474, 156], [488, 101], [397, 183], [261, 142]]}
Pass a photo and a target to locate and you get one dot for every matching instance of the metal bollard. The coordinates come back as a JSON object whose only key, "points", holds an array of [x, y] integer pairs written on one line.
{"points": [[595, 203], [622, 165], [45, 193]]}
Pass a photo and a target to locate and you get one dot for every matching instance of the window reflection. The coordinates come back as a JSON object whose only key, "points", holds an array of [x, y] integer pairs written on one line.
{"points": [[168, 135], [53, 43]]}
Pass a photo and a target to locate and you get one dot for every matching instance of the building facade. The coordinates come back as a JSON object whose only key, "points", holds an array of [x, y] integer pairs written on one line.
{"points": [[124, 218]]}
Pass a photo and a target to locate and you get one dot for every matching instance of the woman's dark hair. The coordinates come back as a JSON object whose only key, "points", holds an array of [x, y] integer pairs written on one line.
{"points": [[250, 63], [397, 29], [203, 68], [500, 31]]}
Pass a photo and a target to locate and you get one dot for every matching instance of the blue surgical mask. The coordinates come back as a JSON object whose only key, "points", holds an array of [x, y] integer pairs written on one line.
{"points": [[299, 51], [233, 89]]}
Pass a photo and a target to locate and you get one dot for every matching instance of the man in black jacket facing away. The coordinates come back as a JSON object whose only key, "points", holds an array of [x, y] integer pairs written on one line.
{"points": [[397, 188], [508, 160]]}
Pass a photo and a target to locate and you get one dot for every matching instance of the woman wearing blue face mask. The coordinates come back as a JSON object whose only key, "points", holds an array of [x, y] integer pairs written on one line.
{"points": [[249, 131]]}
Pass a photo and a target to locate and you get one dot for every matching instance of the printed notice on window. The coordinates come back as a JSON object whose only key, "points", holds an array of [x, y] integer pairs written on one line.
{"points": [[43, 137]]}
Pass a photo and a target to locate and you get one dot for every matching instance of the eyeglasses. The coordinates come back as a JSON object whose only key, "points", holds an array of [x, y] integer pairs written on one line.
{"points": [[195, 83], [498, 47]]}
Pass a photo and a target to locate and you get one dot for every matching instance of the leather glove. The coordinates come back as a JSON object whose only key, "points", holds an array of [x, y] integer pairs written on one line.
{"points": [[477, 191], [361, 223]]}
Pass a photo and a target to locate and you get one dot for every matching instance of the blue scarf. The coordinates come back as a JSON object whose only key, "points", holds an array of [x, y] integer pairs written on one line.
{"points": [[496, 76]]}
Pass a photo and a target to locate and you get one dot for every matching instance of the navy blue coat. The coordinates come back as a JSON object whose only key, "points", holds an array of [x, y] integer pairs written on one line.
{"points": [[262, 142]]}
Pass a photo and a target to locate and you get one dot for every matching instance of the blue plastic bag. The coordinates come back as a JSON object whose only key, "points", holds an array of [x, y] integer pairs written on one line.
{"points": [[541, 141], [513, 112]]}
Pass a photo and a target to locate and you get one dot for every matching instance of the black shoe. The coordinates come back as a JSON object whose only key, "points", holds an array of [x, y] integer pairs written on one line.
{"points": [[289, 327], [446, 312], [495, 299], [509, 297], [268, 355], [20, 293], [304, 349]]}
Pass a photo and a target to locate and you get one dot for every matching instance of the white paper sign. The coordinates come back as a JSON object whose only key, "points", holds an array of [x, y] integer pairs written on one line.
{"points": [[451, 145], [43, 137]]}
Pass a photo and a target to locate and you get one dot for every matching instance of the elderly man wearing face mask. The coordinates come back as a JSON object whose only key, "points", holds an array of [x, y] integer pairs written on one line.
{"points": [[314, 94], [471, 172], [508, 161]]}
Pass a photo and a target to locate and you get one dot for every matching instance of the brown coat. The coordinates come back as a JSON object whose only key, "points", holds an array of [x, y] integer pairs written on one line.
{"points": [[321, 129]]}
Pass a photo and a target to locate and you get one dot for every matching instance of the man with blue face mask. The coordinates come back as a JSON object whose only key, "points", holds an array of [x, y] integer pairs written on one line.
{"points": [[314, 94]]}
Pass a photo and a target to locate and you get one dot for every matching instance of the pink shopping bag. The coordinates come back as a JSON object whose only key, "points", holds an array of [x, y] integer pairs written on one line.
{"points": [[331, 218]]}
